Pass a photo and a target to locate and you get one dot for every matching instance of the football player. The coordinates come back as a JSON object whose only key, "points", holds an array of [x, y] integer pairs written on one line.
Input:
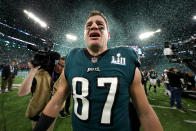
{"points": [[102, 81]]}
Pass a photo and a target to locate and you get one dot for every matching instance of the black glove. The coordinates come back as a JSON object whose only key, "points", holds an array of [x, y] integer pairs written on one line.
{"points": [[35, 118], [43, 123]]}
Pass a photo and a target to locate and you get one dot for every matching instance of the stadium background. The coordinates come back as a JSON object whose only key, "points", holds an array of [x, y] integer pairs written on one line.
{"points": [[127, 20]]}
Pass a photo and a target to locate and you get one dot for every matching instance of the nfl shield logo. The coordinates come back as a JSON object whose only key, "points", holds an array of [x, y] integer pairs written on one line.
{"points": [[94, 59]]}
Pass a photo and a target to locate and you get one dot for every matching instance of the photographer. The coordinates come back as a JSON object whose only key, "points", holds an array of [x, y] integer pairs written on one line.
{"points": [[39, 82], [174, 77], [170, 52]]}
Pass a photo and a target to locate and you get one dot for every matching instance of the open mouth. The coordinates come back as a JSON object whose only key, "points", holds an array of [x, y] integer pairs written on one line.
{"points": [[94, 35]]}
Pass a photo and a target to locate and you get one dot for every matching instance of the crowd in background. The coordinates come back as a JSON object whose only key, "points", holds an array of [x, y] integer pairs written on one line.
{"points": [[21, 66], [175, 82]]}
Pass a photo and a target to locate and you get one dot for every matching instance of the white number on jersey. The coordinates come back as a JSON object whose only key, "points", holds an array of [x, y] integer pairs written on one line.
{"points": [[101, 81]]}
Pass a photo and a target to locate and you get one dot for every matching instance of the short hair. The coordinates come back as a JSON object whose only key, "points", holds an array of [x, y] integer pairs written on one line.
{"points": [[166, 44], [171, 69], [94, 13], [12, 62], [62, 58]]}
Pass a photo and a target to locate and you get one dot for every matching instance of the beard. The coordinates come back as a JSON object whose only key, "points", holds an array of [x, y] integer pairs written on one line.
{"points": [[95, 47]]}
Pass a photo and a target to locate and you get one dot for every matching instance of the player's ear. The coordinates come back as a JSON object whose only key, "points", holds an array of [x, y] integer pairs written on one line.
{"points": [[108, 35], [84, 34]]}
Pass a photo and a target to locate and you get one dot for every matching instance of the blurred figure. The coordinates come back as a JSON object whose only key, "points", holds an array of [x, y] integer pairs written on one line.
{"points": [[167, 50], [7, 76], [55, 75], [166, 83], [145, 79], [153, 79], [39, 82], [29, 65], [158, 82], [190, 81], [195, 81], [174, 77], [1, 66], [16, 68], [170, 52]]}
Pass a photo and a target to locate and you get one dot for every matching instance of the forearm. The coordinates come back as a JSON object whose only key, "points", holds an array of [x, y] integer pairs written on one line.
{"points": [[146, 114], [26, 84], [150, 121], [54, 106], [49, 114]]}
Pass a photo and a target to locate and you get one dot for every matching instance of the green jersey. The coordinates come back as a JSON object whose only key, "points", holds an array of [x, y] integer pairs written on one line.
{"points": [[100, 87]]}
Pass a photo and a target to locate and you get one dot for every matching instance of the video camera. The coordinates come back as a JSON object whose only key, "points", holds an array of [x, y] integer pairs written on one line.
{"points": [[182, 52], [45, 57]]}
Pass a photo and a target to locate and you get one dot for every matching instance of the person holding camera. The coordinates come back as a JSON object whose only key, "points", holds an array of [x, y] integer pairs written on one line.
{"points": [[174, 77], [55, 75], [39, 82]]}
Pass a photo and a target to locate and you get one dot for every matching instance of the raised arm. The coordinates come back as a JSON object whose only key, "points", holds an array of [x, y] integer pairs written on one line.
{"points": [[52, 109], [25, 88], [147, 116], [54, 106]]}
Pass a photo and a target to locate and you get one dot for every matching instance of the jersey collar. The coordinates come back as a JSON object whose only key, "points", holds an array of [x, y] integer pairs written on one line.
{"points": [[94, 59]]}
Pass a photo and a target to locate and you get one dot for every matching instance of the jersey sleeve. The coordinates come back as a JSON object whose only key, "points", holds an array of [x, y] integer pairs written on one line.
{"points": [[135, 57], [68, 60]]}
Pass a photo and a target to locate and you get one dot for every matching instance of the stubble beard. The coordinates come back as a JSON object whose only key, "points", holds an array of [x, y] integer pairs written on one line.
{"points": [[95, 48]]}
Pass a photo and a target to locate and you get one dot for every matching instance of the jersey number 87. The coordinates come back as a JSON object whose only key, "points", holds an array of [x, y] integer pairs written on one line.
{"points": [[107, 109]]}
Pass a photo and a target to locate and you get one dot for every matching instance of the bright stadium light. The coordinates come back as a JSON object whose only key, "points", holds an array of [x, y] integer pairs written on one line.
{"points": [[159, 30], [35, 18], [71, 37], [148, 34], [194, 17]]}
